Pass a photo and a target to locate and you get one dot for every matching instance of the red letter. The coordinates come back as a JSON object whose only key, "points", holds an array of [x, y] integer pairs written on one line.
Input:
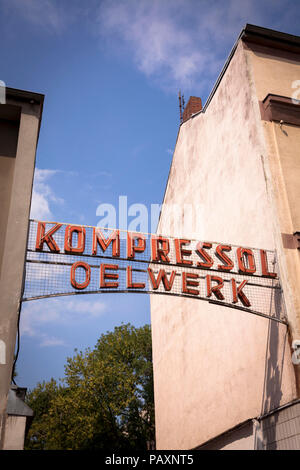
{"points": [[264, 265], [186, 282], [160, 253], [114, 237], [216, 289], [42, 237], [131, 247], [180, 252], [87, 268], [161, 277], [130, 284], [104, 275], [70, 229], [250, 258], [200, 252], [228, 264], [237, 292]]}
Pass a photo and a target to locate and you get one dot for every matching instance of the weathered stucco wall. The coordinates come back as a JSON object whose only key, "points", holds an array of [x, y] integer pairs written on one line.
{"points": [[9, 129], [278, 72], [273, 70], [215, 367], [14, 433], [18, 170]]}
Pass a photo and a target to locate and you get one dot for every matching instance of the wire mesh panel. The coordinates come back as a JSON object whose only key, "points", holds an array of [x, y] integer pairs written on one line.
{"points": [[65, 259]]}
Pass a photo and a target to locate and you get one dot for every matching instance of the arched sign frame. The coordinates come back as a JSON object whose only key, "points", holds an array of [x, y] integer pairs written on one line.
{"points": [[67, 259]]}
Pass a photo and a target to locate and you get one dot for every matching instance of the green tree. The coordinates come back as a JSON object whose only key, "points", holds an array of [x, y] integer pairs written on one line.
{"points": [[105, 400], [40, 400]]}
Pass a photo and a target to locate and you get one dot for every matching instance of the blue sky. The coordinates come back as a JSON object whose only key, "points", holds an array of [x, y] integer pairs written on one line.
{"points": [[110, 72]]}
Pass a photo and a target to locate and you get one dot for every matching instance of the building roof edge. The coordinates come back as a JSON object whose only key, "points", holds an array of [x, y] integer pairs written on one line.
{"points": [[259, 35]]}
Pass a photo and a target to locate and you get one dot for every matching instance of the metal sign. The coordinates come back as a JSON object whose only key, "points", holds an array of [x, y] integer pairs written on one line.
{"points": [[64, 259]]}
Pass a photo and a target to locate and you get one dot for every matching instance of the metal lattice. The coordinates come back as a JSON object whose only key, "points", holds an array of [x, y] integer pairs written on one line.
{"points": [[48, 273]]}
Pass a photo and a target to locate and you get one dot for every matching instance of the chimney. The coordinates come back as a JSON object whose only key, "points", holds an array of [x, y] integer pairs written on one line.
{"points": [[194, 105]]}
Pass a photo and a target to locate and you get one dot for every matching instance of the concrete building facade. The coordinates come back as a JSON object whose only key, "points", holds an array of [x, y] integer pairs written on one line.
{"points": [[20, 119], [224, 378]]}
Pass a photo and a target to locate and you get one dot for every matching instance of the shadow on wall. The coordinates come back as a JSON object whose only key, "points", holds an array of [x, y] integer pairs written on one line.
{"points": [[236, 439], [274, 363]]}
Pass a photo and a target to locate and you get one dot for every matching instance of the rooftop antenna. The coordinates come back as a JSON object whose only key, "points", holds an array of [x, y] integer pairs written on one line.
{"points": [[181, 106]]}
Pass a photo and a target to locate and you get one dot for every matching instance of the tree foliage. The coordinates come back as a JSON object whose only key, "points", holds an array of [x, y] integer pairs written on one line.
{"points": [[105, 400]]}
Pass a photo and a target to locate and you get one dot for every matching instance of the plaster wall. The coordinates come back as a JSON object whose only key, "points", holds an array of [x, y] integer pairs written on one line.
{"points": [[215, 367], [242, 438], [278, 431], [273, 70], [17, 169], [7, 165], [14, 433], [9, 129], [278, 72]]}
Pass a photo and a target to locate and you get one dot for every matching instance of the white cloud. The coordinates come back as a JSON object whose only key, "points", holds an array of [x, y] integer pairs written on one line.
{"points": [[46, 14], [43, 195], [93, 308], [52, 341], [184, 43], [170, 41], [34, 314], [176, 43], [161, 48], [40, 206], [38, 315]]}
